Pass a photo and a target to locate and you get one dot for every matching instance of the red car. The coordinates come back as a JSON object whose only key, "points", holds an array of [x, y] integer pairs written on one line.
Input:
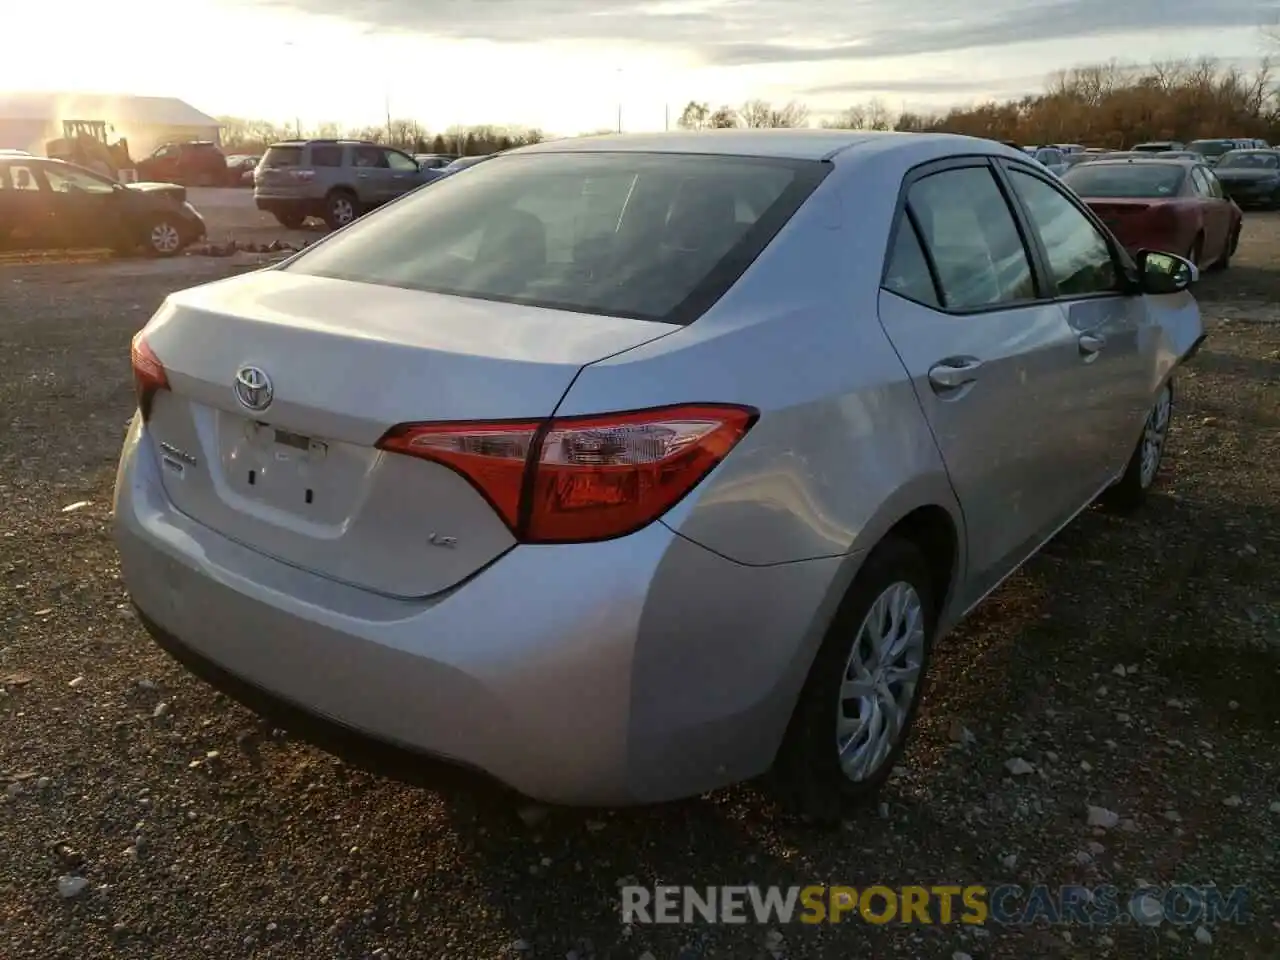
{"points": [[1172, 205]]}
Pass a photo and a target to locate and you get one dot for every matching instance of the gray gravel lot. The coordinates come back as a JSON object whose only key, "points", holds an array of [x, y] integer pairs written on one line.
{"points": [[1134, 665]]}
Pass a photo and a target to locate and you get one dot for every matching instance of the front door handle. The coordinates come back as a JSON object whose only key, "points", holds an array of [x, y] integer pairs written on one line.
{"points": [[1090, 345], [950, 374]]}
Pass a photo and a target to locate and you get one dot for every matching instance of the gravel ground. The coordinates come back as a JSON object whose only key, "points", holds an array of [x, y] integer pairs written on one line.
{"points": [[1133, 665]]}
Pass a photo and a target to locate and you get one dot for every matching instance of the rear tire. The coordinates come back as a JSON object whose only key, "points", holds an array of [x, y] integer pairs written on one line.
{"points": [[340, 208], [855, 712], [1197, 249], [1130, 491], [1228, 248]]}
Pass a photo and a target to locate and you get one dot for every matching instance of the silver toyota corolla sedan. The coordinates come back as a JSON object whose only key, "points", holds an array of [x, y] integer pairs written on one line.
{"points": [[621, 469]]}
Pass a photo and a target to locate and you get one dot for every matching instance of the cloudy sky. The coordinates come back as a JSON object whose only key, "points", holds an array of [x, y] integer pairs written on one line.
{"points": [[566, 65]]}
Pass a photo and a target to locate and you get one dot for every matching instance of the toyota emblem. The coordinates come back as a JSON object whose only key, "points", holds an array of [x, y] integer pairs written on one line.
{"points": [[253, 389]]}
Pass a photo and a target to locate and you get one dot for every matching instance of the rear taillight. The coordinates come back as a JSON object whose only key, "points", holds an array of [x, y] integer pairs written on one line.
{"points": [[148, 373], [576, 479]]}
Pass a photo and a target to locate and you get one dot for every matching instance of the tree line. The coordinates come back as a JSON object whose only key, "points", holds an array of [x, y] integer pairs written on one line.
{"points": [[1107, 105], [241, 135]]}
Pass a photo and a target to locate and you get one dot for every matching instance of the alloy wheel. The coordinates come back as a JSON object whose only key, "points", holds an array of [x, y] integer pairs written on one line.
{"points": [[1153, 436], [344, 210], [880, 682], [165, 238]]}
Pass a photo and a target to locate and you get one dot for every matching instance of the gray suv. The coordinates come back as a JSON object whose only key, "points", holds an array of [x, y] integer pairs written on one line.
{"points": [[336, 180]]}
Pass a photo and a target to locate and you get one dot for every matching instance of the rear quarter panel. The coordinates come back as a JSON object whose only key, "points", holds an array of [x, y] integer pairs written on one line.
{"points": [[841, 450]]}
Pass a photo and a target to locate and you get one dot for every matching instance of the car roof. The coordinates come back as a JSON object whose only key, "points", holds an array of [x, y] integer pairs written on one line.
{"points": [[786, 144], [1151, 161]]}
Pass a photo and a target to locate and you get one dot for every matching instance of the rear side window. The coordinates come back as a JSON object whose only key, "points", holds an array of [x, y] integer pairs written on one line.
{"points": [[649, 236], [970, 232], [326, 156], [282, 157], [907, 273]]}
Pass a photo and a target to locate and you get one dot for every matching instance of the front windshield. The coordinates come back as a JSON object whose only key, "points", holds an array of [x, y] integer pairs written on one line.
{"points": [[1249, 161], [1126, 180]]}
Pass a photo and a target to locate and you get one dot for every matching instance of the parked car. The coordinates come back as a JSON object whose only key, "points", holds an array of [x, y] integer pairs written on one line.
{"points": [[1251, 177], [195, 163], [1177, 155], [627, 469], [240, 168], [1209, 151], [1157, 146], [1177, 206], [335, 180], [462, 163], [434, 161], [52, 204], [1051, 158]]}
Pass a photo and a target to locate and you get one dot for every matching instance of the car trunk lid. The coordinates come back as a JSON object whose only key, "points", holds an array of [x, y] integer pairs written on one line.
{"points": [[301, 479]]}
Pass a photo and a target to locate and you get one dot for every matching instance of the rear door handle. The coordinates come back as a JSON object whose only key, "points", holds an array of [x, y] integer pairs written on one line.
{"points": [[950, 374], [1090, 345]]}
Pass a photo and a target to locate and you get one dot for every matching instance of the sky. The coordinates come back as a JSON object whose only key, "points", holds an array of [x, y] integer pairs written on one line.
{"points": [[567, 66]]}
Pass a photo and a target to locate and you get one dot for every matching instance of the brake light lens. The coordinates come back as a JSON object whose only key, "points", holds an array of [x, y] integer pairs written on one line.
{"points": [[577, 479], [148, 373]]}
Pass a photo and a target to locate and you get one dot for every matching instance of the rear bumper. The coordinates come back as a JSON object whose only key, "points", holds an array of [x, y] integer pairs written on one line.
{"points": [[628, 671]]}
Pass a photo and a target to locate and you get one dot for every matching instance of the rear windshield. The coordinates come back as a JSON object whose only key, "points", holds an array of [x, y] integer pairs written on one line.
{"points": [[282, 157], [649, 236], [1126, 179], [1210, 148], [1249, 161]]}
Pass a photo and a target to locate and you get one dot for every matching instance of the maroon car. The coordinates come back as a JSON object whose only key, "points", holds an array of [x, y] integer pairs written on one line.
{"points": [[1174, 205]]}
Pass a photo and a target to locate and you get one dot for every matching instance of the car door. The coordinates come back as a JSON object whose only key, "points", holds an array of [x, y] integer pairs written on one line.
{"points": [[405, 174], [1223, 203], [26, 208], [86, 207], [1116, 348], [1214, 211], [373, 175], [993, 362], [162, 166]]}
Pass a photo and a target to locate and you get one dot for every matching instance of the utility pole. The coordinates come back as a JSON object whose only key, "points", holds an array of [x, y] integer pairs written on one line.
{"points": [[666, 118], [388, 105], [619, 99]]}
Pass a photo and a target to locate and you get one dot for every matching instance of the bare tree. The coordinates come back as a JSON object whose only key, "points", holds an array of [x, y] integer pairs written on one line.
{"points": [[850, 118], [723, 118], [760, 114], [696, 116], [755, 114], [878, 116]]}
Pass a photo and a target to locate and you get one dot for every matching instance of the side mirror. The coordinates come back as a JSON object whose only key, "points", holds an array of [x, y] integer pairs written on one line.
{"points": [[1165, 272]]}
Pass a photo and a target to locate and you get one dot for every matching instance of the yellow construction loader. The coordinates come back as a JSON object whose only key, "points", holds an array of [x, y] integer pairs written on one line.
{"points": [[85, 142]]}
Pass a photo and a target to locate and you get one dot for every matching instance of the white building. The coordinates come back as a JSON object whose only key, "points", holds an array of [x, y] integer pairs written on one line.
{"points": [[30, 120]]}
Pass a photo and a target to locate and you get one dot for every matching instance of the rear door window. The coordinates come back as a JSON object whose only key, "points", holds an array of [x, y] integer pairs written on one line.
{"points": [[369, 157], [327, 156], [970, 232], [907, 273], [651, 236]]}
